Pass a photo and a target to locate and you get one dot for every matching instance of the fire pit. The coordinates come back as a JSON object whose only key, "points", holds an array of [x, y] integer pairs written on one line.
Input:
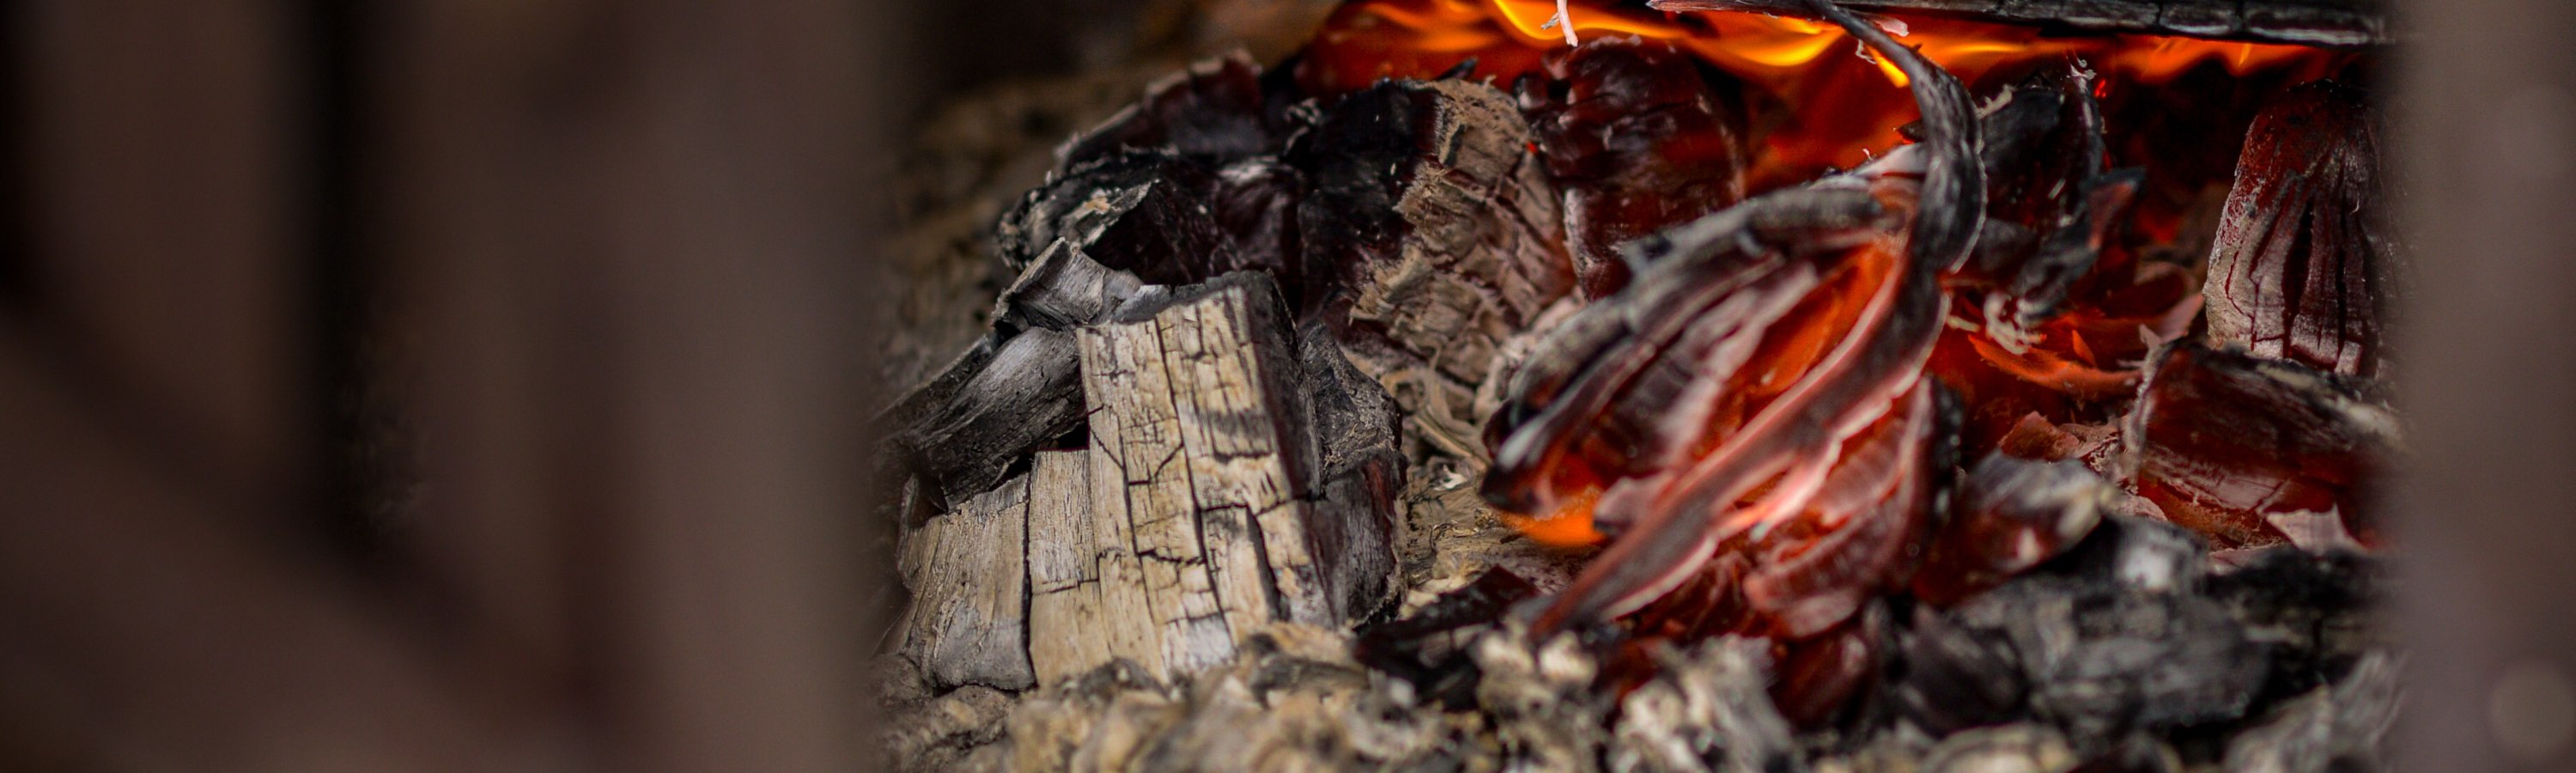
{"points": [[1721, 384]]}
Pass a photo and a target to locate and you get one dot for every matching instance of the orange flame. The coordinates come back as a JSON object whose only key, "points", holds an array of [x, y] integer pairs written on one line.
{"points": [[1841, 104]]}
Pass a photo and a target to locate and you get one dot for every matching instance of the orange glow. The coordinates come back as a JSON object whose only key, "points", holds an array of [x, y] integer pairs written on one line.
{"points": [[1819, 101], [1840, 106], [1569, 528]]}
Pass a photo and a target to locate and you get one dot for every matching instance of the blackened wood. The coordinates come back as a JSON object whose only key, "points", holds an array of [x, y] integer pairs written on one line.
{"points": [[2310, 22], [1015, 389], [1439, 230]]}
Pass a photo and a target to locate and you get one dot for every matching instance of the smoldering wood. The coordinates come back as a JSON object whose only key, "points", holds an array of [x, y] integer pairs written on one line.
{"points": [[2012, 514], [1435, 229], [2221, 439], [1638, 139], [2300, 267], [1884, 351], [2306, 22]]}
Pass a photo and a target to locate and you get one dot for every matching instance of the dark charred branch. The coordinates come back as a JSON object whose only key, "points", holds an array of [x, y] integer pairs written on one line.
{"points": [[2307, 22]]}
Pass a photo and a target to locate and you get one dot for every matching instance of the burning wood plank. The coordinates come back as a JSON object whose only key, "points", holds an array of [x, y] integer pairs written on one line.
{"points": [[2300, 268], [2311, 22]]}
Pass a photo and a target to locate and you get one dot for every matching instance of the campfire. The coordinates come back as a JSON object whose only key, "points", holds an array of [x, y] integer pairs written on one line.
{"points": [[1696, 384]]}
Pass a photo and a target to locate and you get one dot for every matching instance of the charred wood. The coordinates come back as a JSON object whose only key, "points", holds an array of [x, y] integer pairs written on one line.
{"points": [[2309, 22], [1429, 231], [2012, 514], [1640, 140], [2300, 269]]}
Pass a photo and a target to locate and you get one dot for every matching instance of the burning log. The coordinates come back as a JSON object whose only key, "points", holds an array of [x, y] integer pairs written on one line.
{"points": [[2312, 22], [1639, 140], [2226, 443], [2300, 268]]}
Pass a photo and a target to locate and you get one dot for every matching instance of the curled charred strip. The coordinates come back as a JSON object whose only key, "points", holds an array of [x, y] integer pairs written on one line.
{"points": [[1639, 138], [2300, 266], [2223, 441], [1846, 387], [1428, 233], [2013, 514], [1603, 387], [1873, 507]]}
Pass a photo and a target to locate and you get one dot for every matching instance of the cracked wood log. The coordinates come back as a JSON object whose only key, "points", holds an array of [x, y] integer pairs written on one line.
{"points": [[2308, 22], [1236, 476]]}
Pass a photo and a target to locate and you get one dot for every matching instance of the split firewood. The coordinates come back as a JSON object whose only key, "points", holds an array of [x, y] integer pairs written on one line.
{"points": [[1639, 139], [2312, 22], [2300, 268], [2221, 440]]}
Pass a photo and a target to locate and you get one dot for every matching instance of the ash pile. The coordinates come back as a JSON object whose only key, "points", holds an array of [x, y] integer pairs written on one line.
{"points": [[1462, 422]]}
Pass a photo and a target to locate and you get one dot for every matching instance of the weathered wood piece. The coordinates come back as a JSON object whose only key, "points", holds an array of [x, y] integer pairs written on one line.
{"points": [[2310, 22], [1065, 570], [1135, 429], [967, 570]]}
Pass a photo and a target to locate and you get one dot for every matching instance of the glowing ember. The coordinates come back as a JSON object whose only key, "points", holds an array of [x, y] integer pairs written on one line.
{"points": [[1744, 427]]}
